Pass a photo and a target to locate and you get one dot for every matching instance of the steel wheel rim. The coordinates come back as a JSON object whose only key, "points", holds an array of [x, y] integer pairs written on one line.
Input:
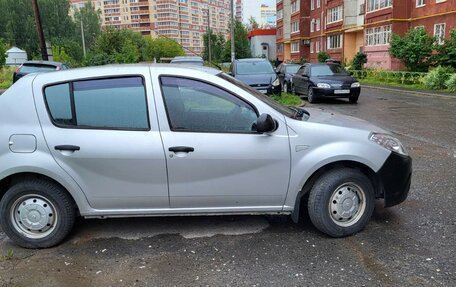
{"points": [[34, 216], [285, 87], [347, 204]]}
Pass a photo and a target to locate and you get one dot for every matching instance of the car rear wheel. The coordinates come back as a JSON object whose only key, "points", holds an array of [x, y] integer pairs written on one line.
{"points": [[311, 96], [37, 213], [341, 202]]}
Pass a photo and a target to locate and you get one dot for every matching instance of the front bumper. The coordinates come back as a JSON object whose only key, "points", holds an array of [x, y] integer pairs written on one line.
{"points": [[332, 93], [396, 177], [269, 90]]}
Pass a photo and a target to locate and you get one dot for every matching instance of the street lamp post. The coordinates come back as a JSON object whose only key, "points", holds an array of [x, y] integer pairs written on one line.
{"points": [[39, 30], [233, 53]]}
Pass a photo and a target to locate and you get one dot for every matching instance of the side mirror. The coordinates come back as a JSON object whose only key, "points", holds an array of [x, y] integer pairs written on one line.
{"points": [[265, 124], [231, 74]]}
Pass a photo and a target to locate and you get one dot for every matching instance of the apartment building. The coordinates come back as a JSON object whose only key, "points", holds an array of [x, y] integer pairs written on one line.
{"points": [[184, 21], [344, 27], [268, 16]]}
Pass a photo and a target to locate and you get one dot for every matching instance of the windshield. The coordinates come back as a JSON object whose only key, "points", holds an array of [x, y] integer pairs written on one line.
{"points": [[254, 67], [289, 112], [292, 69], [28, 69], [328, 70]]}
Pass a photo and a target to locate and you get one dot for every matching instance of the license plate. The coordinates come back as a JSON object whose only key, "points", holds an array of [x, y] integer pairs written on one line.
{"points": [[263, 91], [341, 91]]}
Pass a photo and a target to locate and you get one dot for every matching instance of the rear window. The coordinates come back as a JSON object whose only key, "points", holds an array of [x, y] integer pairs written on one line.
{"points": [[118, 103], [28, 69]]}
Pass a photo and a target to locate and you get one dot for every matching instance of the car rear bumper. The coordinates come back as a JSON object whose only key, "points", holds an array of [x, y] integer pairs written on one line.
{"points": [[337, 93], [396, 177]]}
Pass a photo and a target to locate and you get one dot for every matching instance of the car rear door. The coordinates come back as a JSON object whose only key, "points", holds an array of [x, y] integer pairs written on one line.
{"points": [[215, 161], [99, 131]]}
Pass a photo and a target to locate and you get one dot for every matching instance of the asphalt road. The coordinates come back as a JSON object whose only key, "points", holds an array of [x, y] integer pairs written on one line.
{"points": [[413, 244]]}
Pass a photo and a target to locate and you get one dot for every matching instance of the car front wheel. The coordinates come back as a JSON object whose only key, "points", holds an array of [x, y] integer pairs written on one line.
{"points": [[341, 202], [311, 95], [37, 213], [285, 87]]}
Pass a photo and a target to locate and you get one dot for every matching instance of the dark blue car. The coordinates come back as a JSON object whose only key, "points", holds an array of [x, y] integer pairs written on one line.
{"points": [[285, 73], [257, 73]]}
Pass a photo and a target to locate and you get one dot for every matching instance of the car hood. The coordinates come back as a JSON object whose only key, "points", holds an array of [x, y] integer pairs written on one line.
{"points": [[334, 79], [258, 79], [322, 116]]}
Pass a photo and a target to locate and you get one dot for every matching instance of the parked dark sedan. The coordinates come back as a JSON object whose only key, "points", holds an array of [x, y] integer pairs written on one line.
{"points": [[285, 73], [257, 73], [36, 67], [325, 80]]}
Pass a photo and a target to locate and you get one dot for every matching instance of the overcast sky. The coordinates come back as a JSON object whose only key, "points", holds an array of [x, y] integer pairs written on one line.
{"points": [[269, 2]]}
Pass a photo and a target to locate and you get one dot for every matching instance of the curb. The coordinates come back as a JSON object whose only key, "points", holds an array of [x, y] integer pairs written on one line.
{"points": [[412, 92]]}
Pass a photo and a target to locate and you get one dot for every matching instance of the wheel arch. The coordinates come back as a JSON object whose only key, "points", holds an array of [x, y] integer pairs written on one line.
{"points": [[303, 194]]}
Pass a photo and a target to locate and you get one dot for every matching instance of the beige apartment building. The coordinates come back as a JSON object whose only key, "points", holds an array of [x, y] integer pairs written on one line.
{"points": [[184, 21]]}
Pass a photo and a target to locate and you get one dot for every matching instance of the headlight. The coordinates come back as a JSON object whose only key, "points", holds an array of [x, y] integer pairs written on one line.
{"points": [[324, 86], [276, 82], [355, 85], [389, 142]]}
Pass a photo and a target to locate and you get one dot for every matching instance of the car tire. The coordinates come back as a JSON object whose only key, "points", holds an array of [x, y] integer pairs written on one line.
{"points": [[311, 96], [293, 90], [36, 213], [285, 87], [353, 99], [341, 202]]}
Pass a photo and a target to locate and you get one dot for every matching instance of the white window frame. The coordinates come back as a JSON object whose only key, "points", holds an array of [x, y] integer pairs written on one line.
{"points": [[311, 47], [440, 1], [440, 34], [312, 4], [378, 36], [295, 6], [312, 25], [279, 14], [375, 5], [318, 24], [420, 3], [335, 14], [334, 39], [293, 45], [317, 46], [294, 27]]}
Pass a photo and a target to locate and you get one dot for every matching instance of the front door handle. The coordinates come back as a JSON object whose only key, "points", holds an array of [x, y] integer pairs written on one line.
{"points": [[186, 149], [67, 147]]}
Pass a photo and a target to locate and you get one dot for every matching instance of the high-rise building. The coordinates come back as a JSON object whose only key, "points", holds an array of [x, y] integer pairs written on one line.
{"points": [[184, 21], [268, 16], [261, 13], [344, 27]]}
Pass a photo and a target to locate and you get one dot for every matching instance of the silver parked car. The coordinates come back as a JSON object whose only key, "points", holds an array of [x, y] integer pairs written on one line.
{"points": [[124, 141]]}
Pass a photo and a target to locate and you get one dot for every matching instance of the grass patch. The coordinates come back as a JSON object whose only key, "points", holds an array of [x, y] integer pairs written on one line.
{"points": [[288, 99], [8, 256], [6, 77], [370, 81]]}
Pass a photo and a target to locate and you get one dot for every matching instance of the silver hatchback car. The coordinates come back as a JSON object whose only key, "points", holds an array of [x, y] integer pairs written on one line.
{"points": [[139, 140]]}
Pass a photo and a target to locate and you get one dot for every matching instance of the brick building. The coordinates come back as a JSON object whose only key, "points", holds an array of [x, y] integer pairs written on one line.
{"points": [[344, 27], [185, 21]]}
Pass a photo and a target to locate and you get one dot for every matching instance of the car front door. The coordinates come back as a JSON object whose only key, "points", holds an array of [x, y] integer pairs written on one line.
{"points": [[99, 132], [215, 159], [298, 80]]}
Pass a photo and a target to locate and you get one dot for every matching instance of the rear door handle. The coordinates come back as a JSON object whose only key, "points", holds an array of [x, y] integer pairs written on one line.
{"points": [[67, 147], [186, 149]]}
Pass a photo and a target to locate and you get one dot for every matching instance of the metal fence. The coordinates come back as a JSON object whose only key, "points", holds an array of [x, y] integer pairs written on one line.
{"points": [[403, 77]]}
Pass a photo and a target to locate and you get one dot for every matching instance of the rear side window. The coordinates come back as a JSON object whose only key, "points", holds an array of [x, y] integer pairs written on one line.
{"points": [[28, 69], [118, 103]]}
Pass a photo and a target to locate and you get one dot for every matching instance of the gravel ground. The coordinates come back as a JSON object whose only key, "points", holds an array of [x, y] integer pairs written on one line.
{"points": [[412, 244]]}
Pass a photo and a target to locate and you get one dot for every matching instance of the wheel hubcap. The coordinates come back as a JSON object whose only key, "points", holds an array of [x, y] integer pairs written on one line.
{"points": [[347, 204], [34, 216]]}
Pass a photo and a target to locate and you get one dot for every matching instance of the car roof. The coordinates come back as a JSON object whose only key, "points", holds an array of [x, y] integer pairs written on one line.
{"points": [[188, 58], [252, 60], [129, 69], [322, 64], [49, 63]]}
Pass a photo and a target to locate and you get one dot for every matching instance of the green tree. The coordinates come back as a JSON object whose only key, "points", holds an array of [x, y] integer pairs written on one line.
{"points": [[358, 61], [57, 24], [322, 56], [60, 55], [217, 45], [446, 53], [162, 47], [241, 43], [91, 23], [3, 49], [414, 50]]}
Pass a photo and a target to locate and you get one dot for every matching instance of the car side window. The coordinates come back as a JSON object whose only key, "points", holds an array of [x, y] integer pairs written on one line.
{"points": [[301, 71], [115, 103], [196, 106]]}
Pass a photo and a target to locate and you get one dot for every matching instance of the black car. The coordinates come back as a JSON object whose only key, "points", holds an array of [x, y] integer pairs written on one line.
{"points": [[285, 73], [257, 73], [37, 67], [325, 80]]}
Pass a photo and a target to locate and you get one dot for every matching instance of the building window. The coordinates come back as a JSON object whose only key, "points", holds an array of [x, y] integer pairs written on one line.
{"points": [[420, 3], [318, 3], [312, 4], [295, 6], [439, 33], [318, 25], [378, 36], [373, 5], [295, 47], [312, 25], [335, 14], [279, 14], [280, 48], [334, 41], [295, 27], [317, 47], [311, 47]]}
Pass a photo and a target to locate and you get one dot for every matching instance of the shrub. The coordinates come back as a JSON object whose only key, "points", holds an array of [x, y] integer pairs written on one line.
{"points": [[358, 61], [435, 79], [451, 83], [323, 56]]}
